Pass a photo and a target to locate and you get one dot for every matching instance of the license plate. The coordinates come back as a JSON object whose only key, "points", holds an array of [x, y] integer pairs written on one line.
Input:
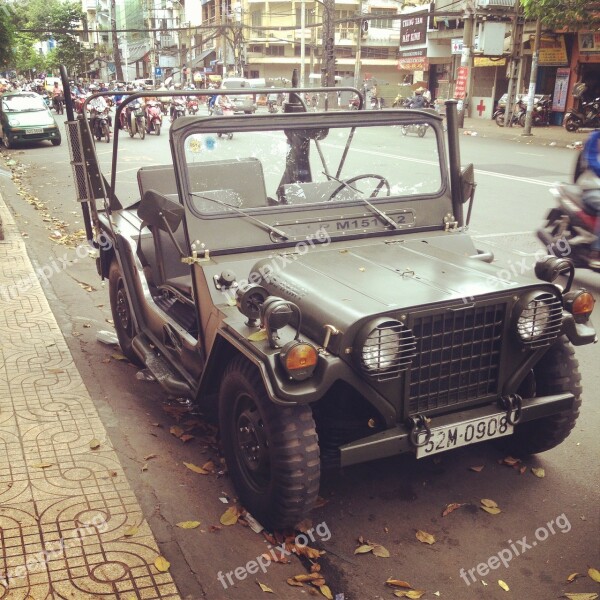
{"points": [[465, 433], [34, 130]]}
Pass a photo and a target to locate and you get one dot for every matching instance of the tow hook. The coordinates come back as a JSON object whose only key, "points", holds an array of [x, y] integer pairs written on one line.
{"points": [[417, 424], [512, 404]]}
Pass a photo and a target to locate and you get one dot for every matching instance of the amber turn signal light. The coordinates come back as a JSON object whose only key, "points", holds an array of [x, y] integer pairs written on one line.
{"points": [[299, 359], [580, 303]]}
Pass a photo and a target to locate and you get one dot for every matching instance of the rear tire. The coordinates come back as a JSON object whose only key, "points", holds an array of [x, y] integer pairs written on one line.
{"points": [[157, 129], [272, 451], [142, 128], [556, 373], [106, 132], [572, 124], [121, 312], [422, 130]]}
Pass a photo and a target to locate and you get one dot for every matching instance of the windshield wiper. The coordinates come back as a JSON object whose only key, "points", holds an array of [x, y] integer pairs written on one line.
{"points": [[378, 212], [264, 225]]}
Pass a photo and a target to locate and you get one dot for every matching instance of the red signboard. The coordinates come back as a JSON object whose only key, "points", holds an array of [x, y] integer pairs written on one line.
{"points": [[460, 88]]}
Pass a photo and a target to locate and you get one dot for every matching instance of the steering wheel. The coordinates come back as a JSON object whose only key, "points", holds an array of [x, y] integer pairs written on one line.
{"points": [[382, 182]]}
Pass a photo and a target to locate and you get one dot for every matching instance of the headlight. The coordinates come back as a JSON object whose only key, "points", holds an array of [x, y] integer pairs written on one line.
{"points": [[540, 319], [14, 122], [385, 347]]}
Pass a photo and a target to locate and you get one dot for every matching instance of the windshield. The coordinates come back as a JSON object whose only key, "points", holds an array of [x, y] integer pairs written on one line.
{"points": [[22, 103], [280, 184]]}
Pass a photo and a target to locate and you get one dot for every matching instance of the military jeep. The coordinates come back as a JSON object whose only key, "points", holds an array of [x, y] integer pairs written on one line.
{"points": [[312, 284]]}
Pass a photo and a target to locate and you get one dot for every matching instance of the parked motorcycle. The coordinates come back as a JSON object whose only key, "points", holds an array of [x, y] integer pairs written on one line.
{"points": [[587, 116], [540, 117], [192, 106], [520, 109], [419, 128], [136, 118], [153, 117], [101, 125], [177, 108]]}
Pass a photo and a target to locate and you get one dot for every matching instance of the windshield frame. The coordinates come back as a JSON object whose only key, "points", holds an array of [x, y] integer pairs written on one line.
{"points": [[186, 126]]}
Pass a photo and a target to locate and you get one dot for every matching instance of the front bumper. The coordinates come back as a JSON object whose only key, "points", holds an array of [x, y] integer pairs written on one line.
{"points": [[397, 440], [23, 134]]}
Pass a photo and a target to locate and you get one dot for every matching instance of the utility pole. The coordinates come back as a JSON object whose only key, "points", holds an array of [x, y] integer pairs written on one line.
{"points": [[151, 32], [302, 43], [513, 66], [115, 41], [357, 64], [328, 70], [465, 65], [533, 77]]}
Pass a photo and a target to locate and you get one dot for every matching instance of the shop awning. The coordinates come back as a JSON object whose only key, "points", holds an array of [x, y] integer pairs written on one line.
{"points": [[199, 60]]}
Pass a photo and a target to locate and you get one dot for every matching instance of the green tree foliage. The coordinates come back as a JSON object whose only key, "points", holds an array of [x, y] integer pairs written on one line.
{"points": [[573, 14], [6, 37]]}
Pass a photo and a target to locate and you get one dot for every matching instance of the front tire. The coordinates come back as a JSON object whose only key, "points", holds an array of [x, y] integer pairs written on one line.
{"points": [[272, 451], [106, 132], [556, 373], [572, 124], [121, 312], [500, 119], [6, 141], [55, 142]]}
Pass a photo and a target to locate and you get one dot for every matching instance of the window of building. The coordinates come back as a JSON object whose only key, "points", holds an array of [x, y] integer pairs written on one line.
{"points": [[254, 74], [375, 52], [310, 17], [256, 18], [344, 28], [255, 48], [383, 21], [275, 50]]}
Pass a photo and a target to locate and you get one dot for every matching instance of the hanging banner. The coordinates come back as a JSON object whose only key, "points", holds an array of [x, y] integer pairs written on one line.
{"points": [[413, 28], [561, 86], [460, 87]]}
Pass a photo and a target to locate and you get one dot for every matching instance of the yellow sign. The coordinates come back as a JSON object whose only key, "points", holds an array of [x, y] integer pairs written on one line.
{"points": [[484, 61], [553, 52]]}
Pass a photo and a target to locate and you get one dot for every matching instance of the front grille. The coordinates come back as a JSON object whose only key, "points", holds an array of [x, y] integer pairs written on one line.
{"points": [[457, 358]]}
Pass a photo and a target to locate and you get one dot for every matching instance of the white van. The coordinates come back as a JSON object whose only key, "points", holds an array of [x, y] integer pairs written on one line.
{"points": [[242, 102]]}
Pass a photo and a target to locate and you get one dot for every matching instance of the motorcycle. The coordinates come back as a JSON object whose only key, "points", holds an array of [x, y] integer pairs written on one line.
{"points": [[541, 113], [354, 104], [419, 128], [101, 128], [58, 104], [224, 110], [177, 108], [136, 118], [588, 116], [153, 117], [518, 112], [272, 106], [399, 101], [78, 103], [192, 106]]}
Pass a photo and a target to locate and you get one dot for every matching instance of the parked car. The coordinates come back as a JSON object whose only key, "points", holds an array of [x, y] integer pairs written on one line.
{"points": [[24, 117], [245, 103]]}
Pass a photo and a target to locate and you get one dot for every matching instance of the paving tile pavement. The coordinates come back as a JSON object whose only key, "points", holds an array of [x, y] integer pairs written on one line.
{"points": [[64, 508]]}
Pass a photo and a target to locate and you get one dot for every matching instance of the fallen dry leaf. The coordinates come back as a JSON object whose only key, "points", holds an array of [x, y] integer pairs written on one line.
{"points": [[186, 437], [398, 583], [451, 508], [144, 468], [265, 588], [409, 593], [381, 551], [503, 585], [150, 456], [94, 444], [538, 472], [304, 577], [493, 510], [324, 589], [162, 564], [572, 577], [230, 516], [489, 503], [363, 549], [477, 468], [258, 336], [176, 431], [594, 574], [188, 524], [131, 531], [118, 356], [510, 461], [292, 581], [209, 466], [584, 596], [42, 465], [196, 468], [425, 537], [522, 470], [307, 551]]}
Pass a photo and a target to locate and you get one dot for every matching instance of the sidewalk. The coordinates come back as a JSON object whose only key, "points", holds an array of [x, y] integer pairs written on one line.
{"points": [[541, 136], [70, 525]]}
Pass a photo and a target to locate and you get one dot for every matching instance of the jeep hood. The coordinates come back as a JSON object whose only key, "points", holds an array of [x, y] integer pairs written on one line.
{"points": [[341, 286]]}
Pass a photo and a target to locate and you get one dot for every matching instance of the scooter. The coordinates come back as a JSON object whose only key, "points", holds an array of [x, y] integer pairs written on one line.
{"points": [[588, 116], [58, 104], [136, 118], [518, 112], [192, 106], [540, 115], [153, 117], [224, 110], [569, 228], [102, 125], [177, 108], [272, 106], [419, 128]]}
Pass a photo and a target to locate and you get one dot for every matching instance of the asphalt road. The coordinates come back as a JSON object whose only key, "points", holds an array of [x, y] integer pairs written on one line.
{"points": [[548, 528]]}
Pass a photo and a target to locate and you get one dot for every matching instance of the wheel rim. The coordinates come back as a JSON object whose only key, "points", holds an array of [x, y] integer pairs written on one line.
{"points": [[251, 444], [123, 313]]}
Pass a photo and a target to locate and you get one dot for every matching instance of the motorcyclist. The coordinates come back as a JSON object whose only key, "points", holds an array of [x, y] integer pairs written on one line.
{"points": [[96, 106], [418, 100], [589, 182], [57, 96]]}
